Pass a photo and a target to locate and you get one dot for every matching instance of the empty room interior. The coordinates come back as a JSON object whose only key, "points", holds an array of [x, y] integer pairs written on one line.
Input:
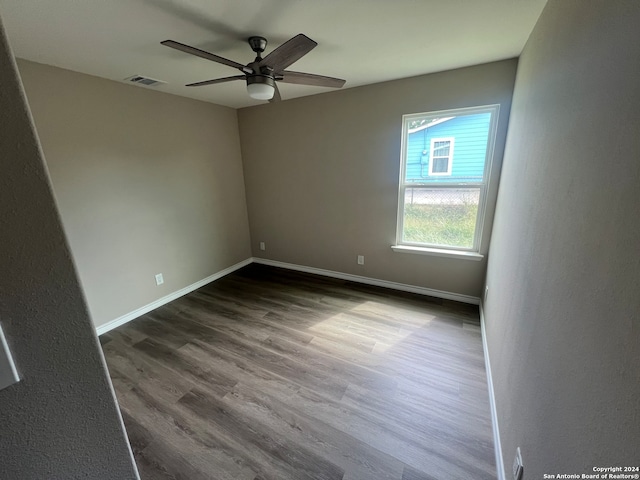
{"points": [[375, 240]]}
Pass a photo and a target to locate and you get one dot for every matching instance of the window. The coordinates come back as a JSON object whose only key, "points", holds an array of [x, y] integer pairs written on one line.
{"points": [[441, 156], [441, 208]]}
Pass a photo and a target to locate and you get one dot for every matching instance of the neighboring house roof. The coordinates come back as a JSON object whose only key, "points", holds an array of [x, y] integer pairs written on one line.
{"points": [[430, 124]]}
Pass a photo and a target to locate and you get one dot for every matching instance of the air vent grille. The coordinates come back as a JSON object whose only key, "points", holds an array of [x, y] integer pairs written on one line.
{"points": [[142, 80]]}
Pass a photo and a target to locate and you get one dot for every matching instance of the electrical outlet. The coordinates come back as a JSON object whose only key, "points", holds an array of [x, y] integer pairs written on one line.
{"points": [[159, 279], [263, 247], [518, 468], [360, 259]]}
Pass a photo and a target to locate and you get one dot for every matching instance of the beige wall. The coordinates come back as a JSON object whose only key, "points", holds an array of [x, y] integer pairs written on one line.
{"points": [[61, 420], [146, 183], [563, 312], [322, 175]]}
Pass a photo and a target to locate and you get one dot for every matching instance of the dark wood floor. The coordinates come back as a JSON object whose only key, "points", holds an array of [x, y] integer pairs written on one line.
{"points": [[269, 374]]}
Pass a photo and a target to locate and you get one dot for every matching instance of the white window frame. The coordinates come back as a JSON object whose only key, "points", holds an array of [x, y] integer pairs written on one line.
{"points": [[473, 252], [449, 158]]}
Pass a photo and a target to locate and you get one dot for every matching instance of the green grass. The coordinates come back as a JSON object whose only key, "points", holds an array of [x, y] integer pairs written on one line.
{"points": [[451, 225]]}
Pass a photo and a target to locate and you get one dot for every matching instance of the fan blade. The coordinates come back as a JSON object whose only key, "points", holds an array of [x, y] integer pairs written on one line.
{"points": [[300, 78], [216, 80], [289, 52], [276, 94], [201, 53]]}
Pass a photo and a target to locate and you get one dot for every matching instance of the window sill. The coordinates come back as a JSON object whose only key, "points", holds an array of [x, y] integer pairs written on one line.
{"points": [[438, 252]]}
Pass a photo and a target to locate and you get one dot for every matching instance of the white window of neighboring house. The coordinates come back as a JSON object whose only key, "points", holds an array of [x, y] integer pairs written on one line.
{"points": [[444, 212], [441, 156]]}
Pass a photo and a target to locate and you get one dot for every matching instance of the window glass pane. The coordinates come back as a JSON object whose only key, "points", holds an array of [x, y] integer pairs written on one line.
{"points": [[440, 165], [461, 139], [441, 149], [440, 216]]}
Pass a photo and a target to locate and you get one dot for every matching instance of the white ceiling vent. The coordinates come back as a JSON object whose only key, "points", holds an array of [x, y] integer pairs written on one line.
{"points": [[146, 81]]}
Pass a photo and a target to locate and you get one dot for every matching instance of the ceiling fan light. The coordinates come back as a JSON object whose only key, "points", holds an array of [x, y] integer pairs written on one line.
{"points": [[261, 87], [260, 91]]}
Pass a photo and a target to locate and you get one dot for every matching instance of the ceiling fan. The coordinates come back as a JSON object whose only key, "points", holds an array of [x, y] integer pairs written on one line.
{"points": [[261, 74]]}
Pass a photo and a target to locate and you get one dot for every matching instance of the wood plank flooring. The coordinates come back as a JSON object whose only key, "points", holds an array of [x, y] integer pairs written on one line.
{"points": [[269, 374]]}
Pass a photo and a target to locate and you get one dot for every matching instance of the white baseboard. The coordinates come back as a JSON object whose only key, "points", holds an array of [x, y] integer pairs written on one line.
{"points": [[318, 271], [492, 402], [372, 281], [168, 298]]}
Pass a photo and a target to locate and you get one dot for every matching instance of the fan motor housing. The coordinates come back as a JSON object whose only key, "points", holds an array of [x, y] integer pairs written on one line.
{"points": [[258, 78]]}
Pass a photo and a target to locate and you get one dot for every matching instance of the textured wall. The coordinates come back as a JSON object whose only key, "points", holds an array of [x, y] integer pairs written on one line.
{"points": [[322, 174], [146, 183], [61, 420], [563, 312]]}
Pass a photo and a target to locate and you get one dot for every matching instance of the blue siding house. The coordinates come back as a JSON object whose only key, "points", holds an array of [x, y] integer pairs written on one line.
{"points": [[451, 149]]}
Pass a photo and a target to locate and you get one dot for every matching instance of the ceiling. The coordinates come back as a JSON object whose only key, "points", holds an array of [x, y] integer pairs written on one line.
{"points": [[362, 41]]}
